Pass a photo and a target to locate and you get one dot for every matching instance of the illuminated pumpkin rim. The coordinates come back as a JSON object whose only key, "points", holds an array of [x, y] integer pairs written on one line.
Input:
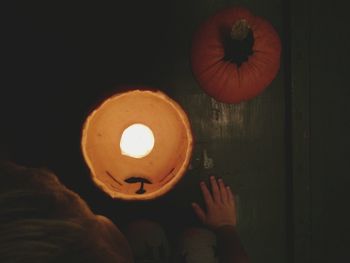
{"points": [[168, 185]]}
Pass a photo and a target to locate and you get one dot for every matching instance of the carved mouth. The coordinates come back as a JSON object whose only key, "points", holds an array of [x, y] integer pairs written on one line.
{"points": [[114, 179], [166, 179]]}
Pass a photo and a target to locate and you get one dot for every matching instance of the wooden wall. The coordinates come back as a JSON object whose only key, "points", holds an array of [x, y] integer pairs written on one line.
{"points": [[320, 90]]}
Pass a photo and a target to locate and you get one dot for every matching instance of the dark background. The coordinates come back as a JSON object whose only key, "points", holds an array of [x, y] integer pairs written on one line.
{"points": [[285, 153]]}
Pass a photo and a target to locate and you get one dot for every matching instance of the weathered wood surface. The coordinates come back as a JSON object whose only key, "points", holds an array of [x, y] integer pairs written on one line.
{"points": [[243, 143], [299, 139], [329, 43]]}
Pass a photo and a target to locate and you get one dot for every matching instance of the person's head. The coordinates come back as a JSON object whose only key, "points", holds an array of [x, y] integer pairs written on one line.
{"points": [[43, 221]]}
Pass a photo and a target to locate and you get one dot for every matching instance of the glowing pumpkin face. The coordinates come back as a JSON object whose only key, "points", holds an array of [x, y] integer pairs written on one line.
{"points": [[137, 144]]}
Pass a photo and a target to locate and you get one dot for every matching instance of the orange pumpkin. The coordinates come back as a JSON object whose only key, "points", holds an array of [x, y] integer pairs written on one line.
{"points": [[158, 134], [219, 71]]}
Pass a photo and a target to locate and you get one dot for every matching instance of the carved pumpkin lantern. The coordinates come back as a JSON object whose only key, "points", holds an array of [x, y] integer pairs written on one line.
{"points": [[137, 144], [235, 55]]}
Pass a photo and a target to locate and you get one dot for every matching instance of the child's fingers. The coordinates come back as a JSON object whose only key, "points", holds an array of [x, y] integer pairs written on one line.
{"points": [[206, 195], [215, 189], [223, 191]]}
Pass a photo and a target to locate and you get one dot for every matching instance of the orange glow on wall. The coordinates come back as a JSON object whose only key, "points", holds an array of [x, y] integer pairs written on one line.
{"points": [[137, 144]]}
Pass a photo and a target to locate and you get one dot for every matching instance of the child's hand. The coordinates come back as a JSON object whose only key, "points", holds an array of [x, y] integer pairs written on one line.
{"points": [[220, 205]]}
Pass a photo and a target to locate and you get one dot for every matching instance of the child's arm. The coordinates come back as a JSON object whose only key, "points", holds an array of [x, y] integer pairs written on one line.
{"points": [[220, 215]]}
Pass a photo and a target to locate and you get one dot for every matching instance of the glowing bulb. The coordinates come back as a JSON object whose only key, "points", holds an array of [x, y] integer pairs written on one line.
{"points": [[137, 141]]}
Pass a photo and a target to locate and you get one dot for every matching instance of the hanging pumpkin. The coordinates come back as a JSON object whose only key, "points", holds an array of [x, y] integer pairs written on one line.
{"points": [[235, 55], [137, 144]]}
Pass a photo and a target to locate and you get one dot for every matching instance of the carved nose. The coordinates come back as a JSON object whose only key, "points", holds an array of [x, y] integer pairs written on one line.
{"points": [[142, 181], [133, 180]]}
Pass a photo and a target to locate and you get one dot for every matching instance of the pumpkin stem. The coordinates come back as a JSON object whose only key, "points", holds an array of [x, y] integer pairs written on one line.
{"points": [[240, 30]]}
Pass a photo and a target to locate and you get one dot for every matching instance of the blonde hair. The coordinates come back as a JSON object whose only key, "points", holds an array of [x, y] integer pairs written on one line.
{"points": [[40, 222]]}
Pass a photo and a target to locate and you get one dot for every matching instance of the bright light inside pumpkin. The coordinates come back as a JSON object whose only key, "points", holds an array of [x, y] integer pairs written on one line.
{"points": [[137, 141]]}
